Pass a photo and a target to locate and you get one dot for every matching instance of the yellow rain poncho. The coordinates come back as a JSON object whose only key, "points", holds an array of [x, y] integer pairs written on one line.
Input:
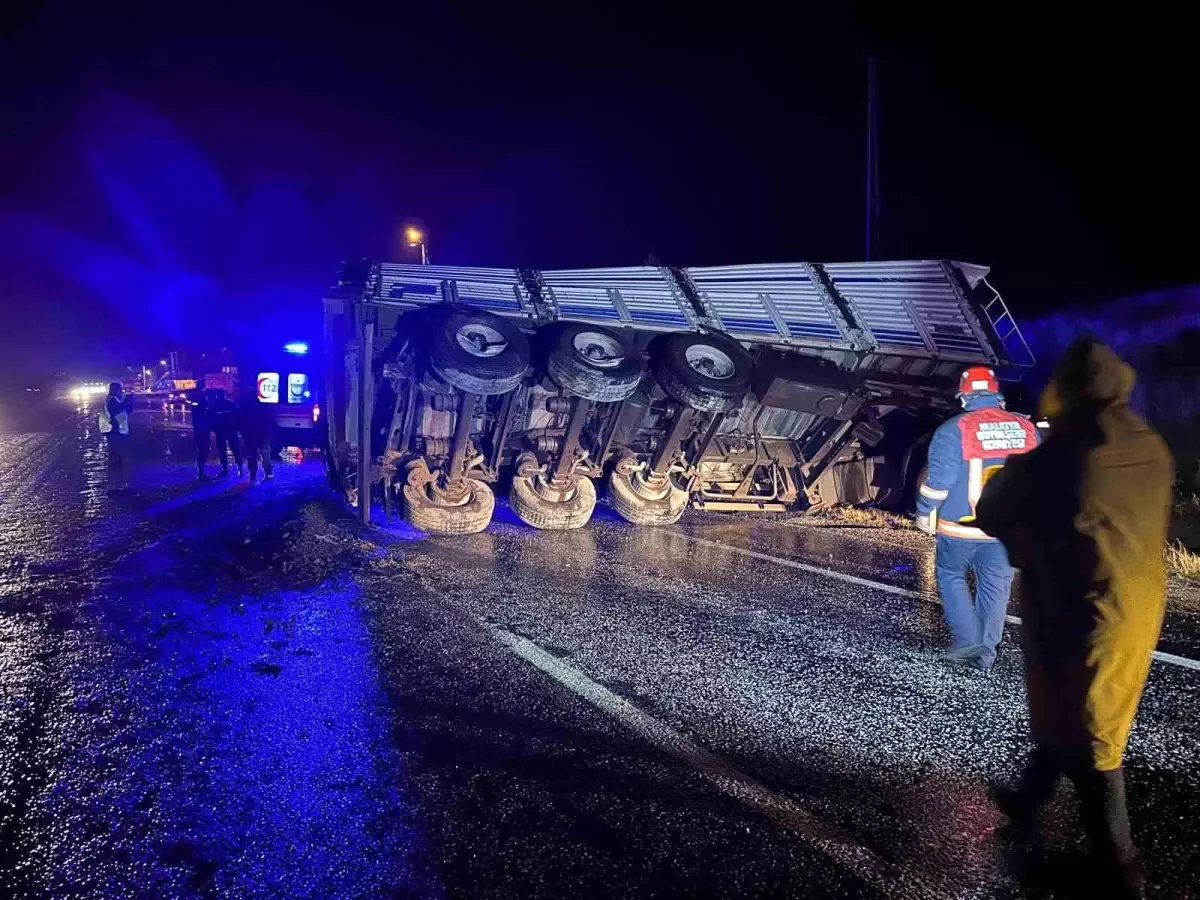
{"points": [[1085, 518]]}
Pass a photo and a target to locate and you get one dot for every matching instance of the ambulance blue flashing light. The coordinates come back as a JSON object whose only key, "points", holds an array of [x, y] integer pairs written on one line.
{"points": [[298, 347]]}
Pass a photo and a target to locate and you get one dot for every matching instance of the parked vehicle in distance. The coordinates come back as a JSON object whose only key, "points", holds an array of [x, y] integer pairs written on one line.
{"points": [[284, 379], [755, 388]]}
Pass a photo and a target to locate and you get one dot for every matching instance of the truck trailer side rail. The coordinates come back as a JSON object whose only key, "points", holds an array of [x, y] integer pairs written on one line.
{"points": [[923, 308]]}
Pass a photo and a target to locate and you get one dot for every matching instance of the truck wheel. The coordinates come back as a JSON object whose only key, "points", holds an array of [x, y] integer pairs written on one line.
{"points": [[478, 352], [469, 517], [628, 495], [540, 511], [594, 362], [708, 372]]}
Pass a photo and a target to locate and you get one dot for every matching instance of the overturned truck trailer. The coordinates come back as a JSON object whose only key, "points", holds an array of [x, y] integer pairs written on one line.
{"points": [[751, 388]]}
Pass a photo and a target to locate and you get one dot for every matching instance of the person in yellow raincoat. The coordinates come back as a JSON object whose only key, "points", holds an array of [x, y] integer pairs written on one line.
{"points": [[1084, 516]]}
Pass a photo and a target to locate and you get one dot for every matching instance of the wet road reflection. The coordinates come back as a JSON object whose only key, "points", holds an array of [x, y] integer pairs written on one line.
{"points": [[833, 693], [187, 708], [219, 689], [903, 558]]}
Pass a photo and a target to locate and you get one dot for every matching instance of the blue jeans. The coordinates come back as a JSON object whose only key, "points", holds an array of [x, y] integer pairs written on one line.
{"points": [[977, 622]]}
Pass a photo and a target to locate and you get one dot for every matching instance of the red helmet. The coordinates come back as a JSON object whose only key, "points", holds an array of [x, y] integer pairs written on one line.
{"points": [[978, 378]]}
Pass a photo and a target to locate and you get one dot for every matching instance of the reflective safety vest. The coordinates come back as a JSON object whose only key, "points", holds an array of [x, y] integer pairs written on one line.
{"points": [[964, 451], [106, 420]]}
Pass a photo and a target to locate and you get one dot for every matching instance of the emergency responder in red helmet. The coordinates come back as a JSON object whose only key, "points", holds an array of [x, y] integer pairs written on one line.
{"points": [[965, 451]]}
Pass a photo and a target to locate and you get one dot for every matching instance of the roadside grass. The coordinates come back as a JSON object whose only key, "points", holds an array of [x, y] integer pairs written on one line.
{"points": [[860, 516], [1181, 557], [1181, 561]]}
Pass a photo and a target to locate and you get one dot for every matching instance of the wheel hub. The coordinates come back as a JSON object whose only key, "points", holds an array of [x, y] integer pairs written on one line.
{"points": [[554, 490], [598, 349], [453, 493], [709, 361], [481, 340], [654, 486]]}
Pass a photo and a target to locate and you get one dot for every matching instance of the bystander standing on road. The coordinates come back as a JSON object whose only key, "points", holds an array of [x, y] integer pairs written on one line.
{"points": [[256, 423], [223, 416], [1085, 517], [201, 431], [965, 450], [114, 425]]}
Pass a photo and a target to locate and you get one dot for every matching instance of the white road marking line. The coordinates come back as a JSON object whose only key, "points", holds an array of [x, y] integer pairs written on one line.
{"points": [[1177, 660], [728, 779], [805, 567], [1159, 655]]}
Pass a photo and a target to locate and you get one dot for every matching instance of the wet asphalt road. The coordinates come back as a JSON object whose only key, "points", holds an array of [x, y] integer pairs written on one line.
{"points": [[223, 690]]}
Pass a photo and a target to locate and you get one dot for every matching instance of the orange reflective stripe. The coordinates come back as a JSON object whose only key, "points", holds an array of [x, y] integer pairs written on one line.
{"points": [[953, 529], [974, 481], [933, 493]]}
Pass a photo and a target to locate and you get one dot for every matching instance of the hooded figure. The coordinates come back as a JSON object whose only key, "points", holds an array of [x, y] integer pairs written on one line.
{"points": [[1085, 518]]}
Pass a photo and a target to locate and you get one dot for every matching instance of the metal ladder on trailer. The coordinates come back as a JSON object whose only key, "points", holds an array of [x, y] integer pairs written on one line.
{"points": [[1008, 332]]}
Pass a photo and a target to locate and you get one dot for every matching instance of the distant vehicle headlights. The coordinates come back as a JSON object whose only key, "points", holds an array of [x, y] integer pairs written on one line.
{"points": [[89, 390]]}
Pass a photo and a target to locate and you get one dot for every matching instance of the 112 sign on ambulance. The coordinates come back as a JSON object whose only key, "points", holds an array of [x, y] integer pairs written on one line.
{"points": [[268, 387]]}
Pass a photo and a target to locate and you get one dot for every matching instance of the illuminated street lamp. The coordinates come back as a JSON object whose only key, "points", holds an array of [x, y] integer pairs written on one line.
{"points": [[415, 237]]}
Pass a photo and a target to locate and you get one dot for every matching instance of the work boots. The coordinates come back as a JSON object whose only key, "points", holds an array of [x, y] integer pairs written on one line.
{"points": [[1102, 810], [1105, 819], [1024, 803]]}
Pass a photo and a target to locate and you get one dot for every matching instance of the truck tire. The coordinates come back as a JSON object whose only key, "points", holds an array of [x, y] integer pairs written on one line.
{"points": [[478, 352], [594, 362], [708, 372], [640, 510], [534, 509], [466, 518]]}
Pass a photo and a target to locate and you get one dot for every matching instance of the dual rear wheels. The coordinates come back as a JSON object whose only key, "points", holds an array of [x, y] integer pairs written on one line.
{"points": [[633, 496], [646, 500], [537, 503], [591, 364], [469, 513], [485, 355], [482, 355]]}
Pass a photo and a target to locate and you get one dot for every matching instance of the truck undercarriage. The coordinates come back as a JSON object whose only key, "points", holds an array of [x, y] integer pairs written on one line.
{"points": [[743, 388]]}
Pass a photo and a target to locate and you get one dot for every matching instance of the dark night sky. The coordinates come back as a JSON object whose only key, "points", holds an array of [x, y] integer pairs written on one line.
{"points": [[168, 176]]}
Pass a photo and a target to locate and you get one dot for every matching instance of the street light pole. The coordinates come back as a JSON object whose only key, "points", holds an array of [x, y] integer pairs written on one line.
{"points": [[873, 204], [416, 238]]}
